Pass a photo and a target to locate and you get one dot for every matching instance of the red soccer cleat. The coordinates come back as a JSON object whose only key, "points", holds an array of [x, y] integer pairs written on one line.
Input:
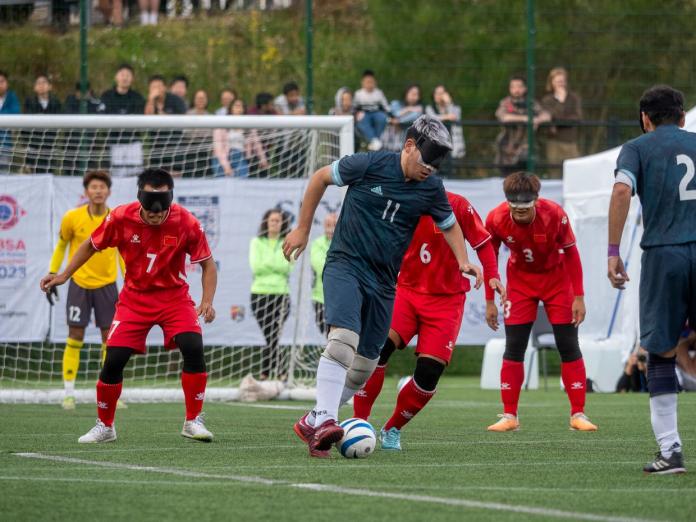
{"points": [[303, 430], [324, 437]]}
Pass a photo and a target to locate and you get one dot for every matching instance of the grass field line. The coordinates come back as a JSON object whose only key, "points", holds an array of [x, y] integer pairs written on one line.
{"points": [[300, 407], [341, 490], [186, 483]]}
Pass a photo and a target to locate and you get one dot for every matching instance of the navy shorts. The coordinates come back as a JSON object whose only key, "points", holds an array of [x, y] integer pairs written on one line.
{"points": [[667, 295], [351, 302], [81, 301]]}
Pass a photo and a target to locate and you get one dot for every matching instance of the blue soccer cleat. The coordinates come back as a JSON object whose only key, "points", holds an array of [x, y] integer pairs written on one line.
{"points": [[390, 439]]}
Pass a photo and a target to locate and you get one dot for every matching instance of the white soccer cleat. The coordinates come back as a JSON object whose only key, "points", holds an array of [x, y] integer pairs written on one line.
{"points": [[100, 433], [195, 429]]}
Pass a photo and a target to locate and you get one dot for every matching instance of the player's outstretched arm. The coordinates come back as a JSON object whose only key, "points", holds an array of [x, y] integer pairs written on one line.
{"points": [[296, 241], [82, 255], [209, 284], [618, 212], [455, 240]]}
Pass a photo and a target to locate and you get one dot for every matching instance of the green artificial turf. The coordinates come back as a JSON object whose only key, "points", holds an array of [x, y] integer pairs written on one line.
{"points": [[447, 454]]}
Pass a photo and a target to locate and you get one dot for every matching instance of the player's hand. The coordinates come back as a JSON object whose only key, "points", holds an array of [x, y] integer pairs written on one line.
{"points": [[492, 315], [497, 286], [50, 281], [617, 273], [207, 311], [295, 243], [579, 311], [472, 270]]}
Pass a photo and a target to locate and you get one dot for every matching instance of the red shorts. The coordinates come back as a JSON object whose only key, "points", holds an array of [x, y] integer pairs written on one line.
{"points": [[137, 312], [526, 289], [436, 320]]}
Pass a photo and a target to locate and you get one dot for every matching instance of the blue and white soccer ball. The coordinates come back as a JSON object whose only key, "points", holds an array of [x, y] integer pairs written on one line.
{"points": [[358, 439]]}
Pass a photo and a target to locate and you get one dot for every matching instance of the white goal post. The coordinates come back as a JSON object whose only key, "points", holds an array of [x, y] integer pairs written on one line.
{"points": [[229, 170]]}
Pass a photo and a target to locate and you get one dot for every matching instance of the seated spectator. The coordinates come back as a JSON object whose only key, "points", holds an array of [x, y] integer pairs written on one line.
{"points": [[179, 87], [233, 149], [443, 108], [343, 103], [511, 143], [290, 102], [9, 104], [80, 143], [197, 141], [38, 159], [371, 108], [112, 11], [149, 11], [635, 374], [227, 96], [199, 104], [403, 113], [72, 102], [122, 99], [565, 107], [165, 149], [159, 101], [264, 105], [43, 101]]}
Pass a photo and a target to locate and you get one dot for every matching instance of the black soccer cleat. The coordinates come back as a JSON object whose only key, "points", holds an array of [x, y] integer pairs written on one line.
{"points": [[663, 466]]}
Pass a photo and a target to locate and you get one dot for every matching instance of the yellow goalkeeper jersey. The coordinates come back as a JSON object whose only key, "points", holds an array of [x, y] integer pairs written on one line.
{"points": [[76, 227]]}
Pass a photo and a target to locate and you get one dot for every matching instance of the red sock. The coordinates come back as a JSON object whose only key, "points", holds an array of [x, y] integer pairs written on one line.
{"points": [[364, 399], [410, 401], [194, 392], [574, 379], [107, 397], [511, 379]]}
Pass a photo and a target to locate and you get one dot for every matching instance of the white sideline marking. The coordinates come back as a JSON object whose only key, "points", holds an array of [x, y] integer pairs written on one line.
{"points": [[186, 483], [475, 504], [267, 406]]}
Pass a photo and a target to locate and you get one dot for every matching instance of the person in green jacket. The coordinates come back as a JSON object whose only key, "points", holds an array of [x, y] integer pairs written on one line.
{"points": [[270, 292], [320, 247]]}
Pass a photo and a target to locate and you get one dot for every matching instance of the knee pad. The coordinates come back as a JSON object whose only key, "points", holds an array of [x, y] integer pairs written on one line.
{"points": [[427, 374], [342, 345], [360, 371], [191, 347], [662, 375], [566, 336], [516, 340], [387, 350], [115, 362]]}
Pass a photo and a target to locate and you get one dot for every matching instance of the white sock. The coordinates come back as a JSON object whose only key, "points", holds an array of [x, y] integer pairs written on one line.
{"points": [[144, 18], [311, 418], [69, 387], [330, 379], [663, 417], [153, 18]]}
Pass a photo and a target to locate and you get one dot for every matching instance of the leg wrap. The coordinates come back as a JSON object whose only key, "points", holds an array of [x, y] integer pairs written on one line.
{"points": [[662, 375], [387, 350], [516, 339], [191, 346], [427, 374], [566, 336], [342, 345], [115, 362], [360, 371]]}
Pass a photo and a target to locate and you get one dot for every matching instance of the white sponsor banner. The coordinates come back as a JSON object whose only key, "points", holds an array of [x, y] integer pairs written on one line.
{"points": [[231, 210], [25, 248]]}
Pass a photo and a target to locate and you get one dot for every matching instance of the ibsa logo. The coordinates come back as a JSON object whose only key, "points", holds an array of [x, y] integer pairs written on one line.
{"points": [[10, 212]]}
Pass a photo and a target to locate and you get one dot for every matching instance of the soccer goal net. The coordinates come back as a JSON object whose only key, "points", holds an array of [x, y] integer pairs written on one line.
{"points": [[239, 175]]}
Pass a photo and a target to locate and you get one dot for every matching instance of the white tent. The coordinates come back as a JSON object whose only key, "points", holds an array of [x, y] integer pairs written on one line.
{"points": [[587, 186]]}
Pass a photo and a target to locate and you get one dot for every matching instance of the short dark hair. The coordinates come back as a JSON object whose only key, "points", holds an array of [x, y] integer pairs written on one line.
{"points": [[78, 86], [42, 75], [4, 74], [662, 104], [289, 87], [521, 182], [126, 66], [519, 78], [155, 177], [101, 175], [368, 72], [180, 78], [156, 78], [263, 98], [284, 223]]}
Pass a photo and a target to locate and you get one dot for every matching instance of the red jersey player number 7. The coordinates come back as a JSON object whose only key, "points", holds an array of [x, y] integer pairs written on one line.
{"points": [[154, 237]]}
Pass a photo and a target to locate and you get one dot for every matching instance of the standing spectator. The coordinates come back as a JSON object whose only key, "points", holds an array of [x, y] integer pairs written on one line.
{"points": [[179, 87], [371, 108], [186, 8], [234, 148], [39, 145], [343, 103], [112, 11], [444, 109], [318, 250], [270, 299], [512, 146], [126, 146], [290, 102], [227, 96], [403, 113], [9, 104], [565, 108], [149, 10], [72, 102], [197, 141]]}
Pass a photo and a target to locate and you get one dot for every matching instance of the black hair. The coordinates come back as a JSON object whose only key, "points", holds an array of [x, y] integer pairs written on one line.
{"points": [[78, 86], [519, 78], [289, 87], [229, 89], [240, 100], [284, 222], [662, 104], [156, 178], [180, 78], [413, 86], [4, 74], [368, 72], [155, 78], [263, 98], [412, 134], [193, 98], [126, 66], [42, 75]]}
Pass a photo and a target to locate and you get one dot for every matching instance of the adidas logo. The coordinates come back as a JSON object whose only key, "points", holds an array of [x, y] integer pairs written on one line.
{"points": [[200, 396], [135, 238], [576, 386], [504, 386], [407, 415], [102, 405], [377, 190]]}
